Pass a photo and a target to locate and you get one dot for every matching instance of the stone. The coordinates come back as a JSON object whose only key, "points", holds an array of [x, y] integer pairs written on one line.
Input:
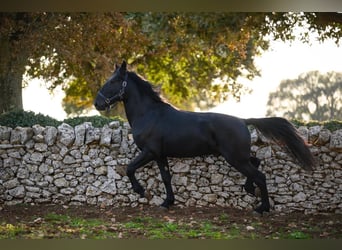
{"points": [[101, 170], [156, 200], [18, 192], [180, 167], [179, 180], [254, 135], [216, 179], [25, 134], [32, 195], [80, 131], [202, 182], [68, 159], [50, 135], [109, 187], [264, 152], [314, 133], [36, 157], [11, 183], [23, 173], [283, 199], [92, 135], [114, 124], [61, 182], [211, 198], [67, 191], [40, 147], [112, 174], [80, 198], [45, 169], [116, 136], [323, 137], [299, 197], [98, 162], [5, 133], [336, 141], [32, 189], [106, 136], [279, 180], [15, 136], [304, 132], [66, 134], [14, 154], [93, 191]]}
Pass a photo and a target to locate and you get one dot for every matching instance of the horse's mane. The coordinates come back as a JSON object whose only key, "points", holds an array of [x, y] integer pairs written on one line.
{"points": [[147, 88]]}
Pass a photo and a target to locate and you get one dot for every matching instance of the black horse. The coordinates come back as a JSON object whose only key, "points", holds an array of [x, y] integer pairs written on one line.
{"points": [[160, 131]]}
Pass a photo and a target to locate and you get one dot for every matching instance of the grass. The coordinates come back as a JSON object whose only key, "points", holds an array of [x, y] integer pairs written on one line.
{"points": [[60, 226]]}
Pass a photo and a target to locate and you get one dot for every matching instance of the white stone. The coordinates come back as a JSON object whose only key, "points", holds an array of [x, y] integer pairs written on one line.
{"points": [[106, 136], [18, 192], [80, 131], [66, 134], [216, 179], [50, 135], [264, 152], [336, 141], [93, 191], [299, 197], [180, 167], [61, 182], [11, 183]]}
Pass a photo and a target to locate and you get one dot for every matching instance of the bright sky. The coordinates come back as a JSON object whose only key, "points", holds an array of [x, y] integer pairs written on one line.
{"points": [[281, 61]]}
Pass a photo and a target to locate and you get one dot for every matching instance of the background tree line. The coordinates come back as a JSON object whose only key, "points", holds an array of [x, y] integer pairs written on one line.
{"points": [[312, 96], [182, 53]]}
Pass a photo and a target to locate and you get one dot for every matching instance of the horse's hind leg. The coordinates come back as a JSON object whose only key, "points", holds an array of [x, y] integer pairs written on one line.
{"points": [[249, 185], [166, 177], [249, 170]]}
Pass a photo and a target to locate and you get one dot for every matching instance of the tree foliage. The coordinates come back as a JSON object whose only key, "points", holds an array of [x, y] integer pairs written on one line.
{"points": [[312, 96], [182, 53]]}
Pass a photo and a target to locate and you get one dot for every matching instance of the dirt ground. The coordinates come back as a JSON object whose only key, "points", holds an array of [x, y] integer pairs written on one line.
{"points": [[324, 225]]}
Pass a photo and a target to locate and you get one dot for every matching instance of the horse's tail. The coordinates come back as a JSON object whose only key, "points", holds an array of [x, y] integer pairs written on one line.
{"points": [[282, 131]]}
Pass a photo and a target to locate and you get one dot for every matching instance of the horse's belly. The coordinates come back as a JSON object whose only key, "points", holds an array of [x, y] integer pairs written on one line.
{"points": [[188, 149]]}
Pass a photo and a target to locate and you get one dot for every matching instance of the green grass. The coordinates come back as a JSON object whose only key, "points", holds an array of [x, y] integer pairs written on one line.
{"points": [[60, 226]]}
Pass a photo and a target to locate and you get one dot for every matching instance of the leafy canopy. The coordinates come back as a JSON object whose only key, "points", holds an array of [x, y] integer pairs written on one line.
{"points": [[182, 53]]}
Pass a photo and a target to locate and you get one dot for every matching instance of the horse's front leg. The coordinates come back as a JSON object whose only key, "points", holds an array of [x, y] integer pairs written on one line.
{"points": [[249, 186], [143, 158], [166, 177]]}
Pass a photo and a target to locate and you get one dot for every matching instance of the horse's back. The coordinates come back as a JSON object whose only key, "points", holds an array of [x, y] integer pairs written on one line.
{"points": [[186, 134]]}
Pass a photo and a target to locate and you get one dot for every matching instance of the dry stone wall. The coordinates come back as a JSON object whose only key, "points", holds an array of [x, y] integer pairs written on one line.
{"points": [[86, 165]]}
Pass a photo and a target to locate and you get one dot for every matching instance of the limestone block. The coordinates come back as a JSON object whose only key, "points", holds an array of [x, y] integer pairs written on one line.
{"points": [[336, 141], [66, 134]]}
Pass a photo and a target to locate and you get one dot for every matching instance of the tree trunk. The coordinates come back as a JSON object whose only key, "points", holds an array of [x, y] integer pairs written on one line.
{"points": [[12, 68]]}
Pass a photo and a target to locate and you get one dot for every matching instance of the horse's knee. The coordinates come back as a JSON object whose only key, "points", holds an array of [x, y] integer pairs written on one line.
{"points": [[255, 161]]}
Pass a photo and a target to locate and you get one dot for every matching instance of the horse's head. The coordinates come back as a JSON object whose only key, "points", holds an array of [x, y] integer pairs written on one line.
{"points": [[113, 90]]}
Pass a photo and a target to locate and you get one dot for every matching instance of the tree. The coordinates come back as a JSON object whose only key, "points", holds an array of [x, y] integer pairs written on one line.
{"points": [[181, 52], [76, 50], [312, 96]]}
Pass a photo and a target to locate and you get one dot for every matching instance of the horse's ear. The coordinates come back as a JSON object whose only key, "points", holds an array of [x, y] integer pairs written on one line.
{"points": [[116, 67], [123, 67]]}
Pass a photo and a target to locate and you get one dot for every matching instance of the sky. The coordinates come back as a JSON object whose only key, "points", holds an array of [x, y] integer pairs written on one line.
{"points": [[283, 60]]}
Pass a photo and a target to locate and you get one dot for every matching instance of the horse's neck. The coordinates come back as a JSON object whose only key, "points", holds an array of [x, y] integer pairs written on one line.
{"points": [[137, 105]]}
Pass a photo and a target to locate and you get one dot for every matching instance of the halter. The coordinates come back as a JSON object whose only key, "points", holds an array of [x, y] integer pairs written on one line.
{"points": [[118, 96]]}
